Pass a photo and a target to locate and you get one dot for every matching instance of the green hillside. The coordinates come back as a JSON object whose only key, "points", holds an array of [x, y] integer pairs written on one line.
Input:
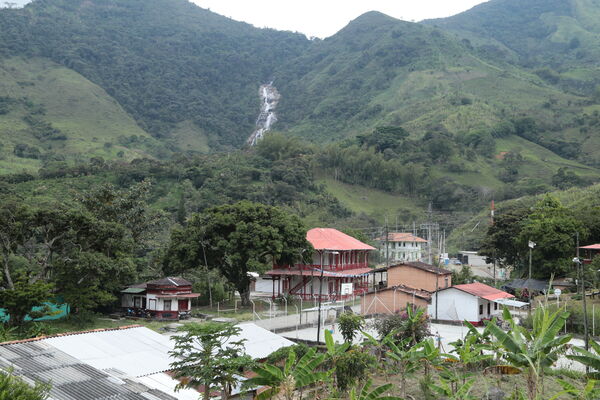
{"points": [[51, 113], [583, 201], [561, 37], [412, 113], [178, 69]]}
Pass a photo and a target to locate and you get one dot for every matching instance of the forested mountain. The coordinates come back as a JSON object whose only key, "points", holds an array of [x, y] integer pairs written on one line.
{"points": [[496, 102], [178, 69]]}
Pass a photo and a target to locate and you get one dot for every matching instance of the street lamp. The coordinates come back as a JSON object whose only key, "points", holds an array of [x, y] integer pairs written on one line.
{"points": [[531, 245], [321, 294], [579, 263]]}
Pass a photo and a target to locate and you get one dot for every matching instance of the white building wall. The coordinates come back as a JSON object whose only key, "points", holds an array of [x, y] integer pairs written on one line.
{"points": [[264, 285], [454, 305], [403, 251]]}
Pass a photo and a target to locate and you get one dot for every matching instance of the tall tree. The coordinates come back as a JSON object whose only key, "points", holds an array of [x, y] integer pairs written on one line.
{"points": [[210, 356], [501, 242], [237, 239], [553, 228], [128, 207], [85, 259]]}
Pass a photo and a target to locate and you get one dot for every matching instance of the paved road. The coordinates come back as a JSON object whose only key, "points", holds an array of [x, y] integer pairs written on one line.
{"points": [[446, 333]]}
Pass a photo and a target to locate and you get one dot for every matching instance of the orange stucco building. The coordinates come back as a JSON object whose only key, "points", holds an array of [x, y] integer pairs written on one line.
{"points": [[407, 283]]}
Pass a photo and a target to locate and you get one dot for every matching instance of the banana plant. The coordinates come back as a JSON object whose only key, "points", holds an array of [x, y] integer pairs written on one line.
{"points": [[405, 359], [469, 355], [376, 394], [589, 392], [589, 359], [535, 349], [283, 382], [462, 392]]}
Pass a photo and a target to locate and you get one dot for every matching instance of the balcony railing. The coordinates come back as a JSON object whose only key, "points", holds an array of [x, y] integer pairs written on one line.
{"points": [[334, 267]]}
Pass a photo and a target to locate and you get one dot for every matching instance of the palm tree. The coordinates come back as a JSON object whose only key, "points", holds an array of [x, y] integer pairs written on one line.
{"points": [[533, 349], [282, 382]]}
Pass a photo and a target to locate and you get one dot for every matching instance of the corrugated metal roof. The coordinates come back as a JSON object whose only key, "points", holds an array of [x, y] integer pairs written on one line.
{"points": [[137, 351], [261, 342], [332, 239], [70, 378], [484, 291]]}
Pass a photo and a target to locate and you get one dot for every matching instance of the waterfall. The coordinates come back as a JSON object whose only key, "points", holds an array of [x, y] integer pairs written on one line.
{"points": [[269, 97]]}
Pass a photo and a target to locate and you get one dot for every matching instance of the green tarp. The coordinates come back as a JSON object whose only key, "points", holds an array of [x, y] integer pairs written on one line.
{"points": [[133, 290], [57, 311]]}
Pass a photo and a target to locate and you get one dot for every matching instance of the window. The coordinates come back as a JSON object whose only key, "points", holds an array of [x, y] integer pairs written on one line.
{"points": [[480, 309], [167, 305], [137, 302], [495, 306], [488, 308], [152, 304], [446, 280]]}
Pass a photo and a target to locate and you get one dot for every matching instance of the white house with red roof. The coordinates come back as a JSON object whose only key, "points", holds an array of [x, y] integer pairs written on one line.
{"points": [[337, 259], [166, 298], [473, 302]]}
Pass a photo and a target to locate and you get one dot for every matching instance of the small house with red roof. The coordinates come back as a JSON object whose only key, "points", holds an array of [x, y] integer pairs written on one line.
{"points": [[337, 260], [165, 298], [473, 302]]}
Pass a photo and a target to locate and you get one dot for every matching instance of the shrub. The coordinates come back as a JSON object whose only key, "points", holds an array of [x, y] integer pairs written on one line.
{"points": [[352, 367], [350, 325]]}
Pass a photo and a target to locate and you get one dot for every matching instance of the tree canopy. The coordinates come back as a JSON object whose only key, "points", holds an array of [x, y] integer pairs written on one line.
{"points": [[237, 239]]}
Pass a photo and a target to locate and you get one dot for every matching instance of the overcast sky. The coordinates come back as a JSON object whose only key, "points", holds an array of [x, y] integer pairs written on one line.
{"points": [[323, 18]]}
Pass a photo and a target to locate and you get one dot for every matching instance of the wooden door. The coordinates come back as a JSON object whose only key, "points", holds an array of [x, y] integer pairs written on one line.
{"points": [[183, 305]]}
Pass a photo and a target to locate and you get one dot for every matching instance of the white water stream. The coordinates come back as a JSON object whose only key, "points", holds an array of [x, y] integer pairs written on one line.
{"points": [[270, 97]]}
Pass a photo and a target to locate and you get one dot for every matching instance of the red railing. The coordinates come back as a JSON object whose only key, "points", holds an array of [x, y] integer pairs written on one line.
{"points": [[312, 267]]}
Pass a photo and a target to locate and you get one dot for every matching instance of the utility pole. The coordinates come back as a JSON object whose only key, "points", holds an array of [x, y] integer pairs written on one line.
{"points": [[585, 317], [387, 244], [320, 295], [494, 252], [429, 234]]}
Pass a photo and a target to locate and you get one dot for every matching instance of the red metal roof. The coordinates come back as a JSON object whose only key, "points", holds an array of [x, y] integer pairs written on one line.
{"points": [[332, 239], [591, 247], [484, 291], [316, 272]]}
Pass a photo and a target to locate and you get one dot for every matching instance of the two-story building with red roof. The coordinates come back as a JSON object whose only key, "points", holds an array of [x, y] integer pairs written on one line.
{"points": [[339, 262]]}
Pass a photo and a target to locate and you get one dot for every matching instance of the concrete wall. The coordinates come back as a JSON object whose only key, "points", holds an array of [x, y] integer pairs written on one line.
{"points": [[388, 302], [416, 278]]}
